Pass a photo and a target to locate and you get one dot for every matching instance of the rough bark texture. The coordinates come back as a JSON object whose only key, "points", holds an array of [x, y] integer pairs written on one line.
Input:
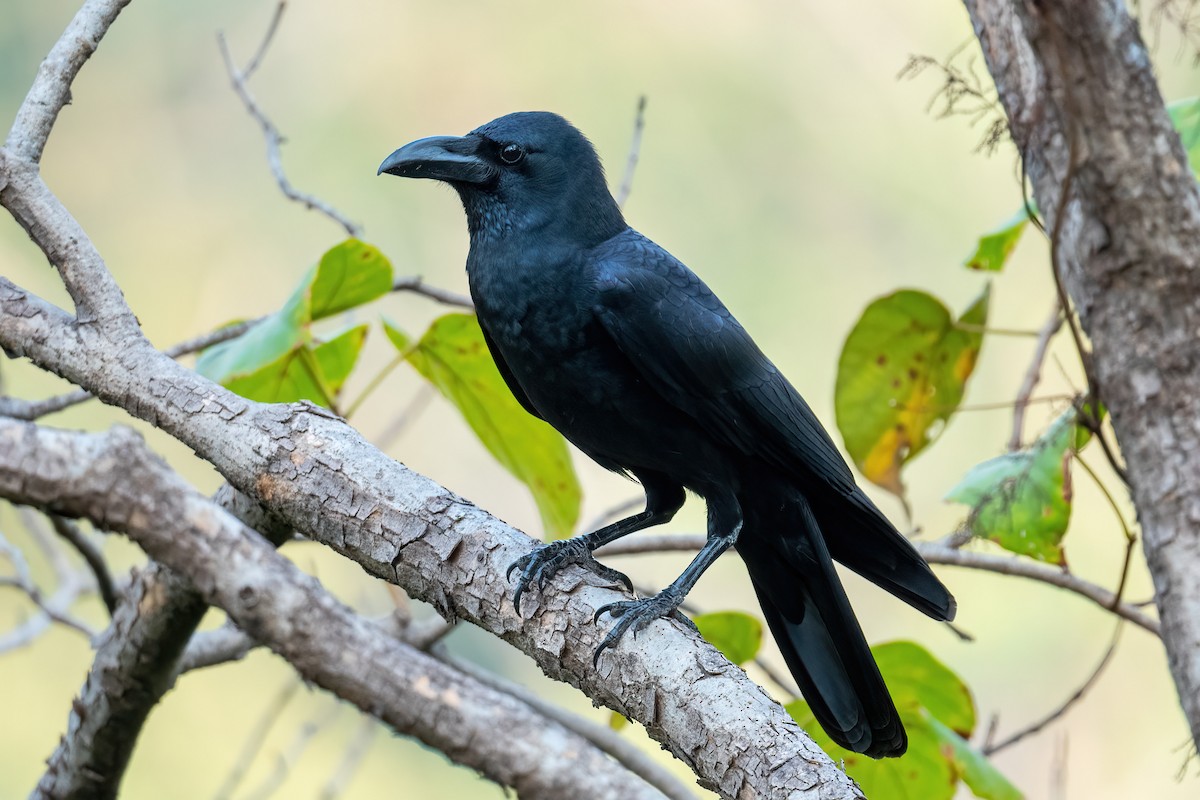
{"points": [[114, 480], [1077, 72], [320, 476], [135, 665]]}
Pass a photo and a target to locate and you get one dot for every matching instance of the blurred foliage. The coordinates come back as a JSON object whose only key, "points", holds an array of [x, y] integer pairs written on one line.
{"points": [[280, 360], [735, 633]]}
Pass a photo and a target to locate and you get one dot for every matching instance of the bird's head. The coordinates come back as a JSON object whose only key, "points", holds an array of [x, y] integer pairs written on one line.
{"points": [[526, 172]]}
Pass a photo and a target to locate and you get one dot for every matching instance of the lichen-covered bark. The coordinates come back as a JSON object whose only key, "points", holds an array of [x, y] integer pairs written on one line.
{"points": [[1129, 253]]}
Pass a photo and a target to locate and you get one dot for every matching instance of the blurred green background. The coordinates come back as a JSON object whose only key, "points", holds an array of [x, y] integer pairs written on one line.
{"points": [[782, 160]]}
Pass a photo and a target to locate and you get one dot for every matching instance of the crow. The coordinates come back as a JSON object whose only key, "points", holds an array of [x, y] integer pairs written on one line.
{"points": [[615, 343]]}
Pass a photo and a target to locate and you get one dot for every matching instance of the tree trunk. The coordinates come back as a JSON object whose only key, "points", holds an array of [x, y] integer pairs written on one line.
{"points": [[1086, 114]]}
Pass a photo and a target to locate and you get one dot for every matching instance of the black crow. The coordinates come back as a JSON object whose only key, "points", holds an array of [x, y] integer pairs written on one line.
{"points": [[607, 337]]}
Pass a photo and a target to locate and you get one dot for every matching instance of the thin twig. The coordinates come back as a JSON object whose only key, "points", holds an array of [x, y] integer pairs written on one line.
{"points": [[616, 512], [54, 608], [1033, 374], [934, 553], [1075, 697], [356, 751], [635, 150], [257, 737], [290, 755], [271, 134], [417, 285], [1130, 536], [407, 416], [91, 555]]}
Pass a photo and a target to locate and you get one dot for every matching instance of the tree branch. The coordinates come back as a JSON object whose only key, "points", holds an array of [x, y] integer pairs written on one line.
{"points": [[115, 480], [135, 665], [323, 478], [934, 553], [271, 134]]}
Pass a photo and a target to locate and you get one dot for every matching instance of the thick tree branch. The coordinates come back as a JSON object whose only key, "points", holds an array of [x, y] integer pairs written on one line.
{"points": [[135, 665], [323, 478], [1075, 72], [114, 480]]}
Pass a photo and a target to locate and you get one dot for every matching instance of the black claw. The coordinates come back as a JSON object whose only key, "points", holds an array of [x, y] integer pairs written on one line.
{"points": [[540, 566]]}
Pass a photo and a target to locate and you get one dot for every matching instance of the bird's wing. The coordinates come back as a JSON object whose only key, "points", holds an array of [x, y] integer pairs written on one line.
{"points": [[690, 349], [507, 374]]}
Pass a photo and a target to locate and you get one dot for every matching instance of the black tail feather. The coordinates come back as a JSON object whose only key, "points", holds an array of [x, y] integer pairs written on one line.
{"points": [[861, 537], [810, 617]]}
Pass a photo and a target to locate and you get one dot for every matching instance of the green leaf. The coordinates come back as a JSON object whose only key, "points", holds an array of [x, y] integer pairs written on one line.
{"points": [[337, 357], [272, 339], [399, 339], [901, 376], [264, 360], [922, 772], [997, 245], [1185, 116], [617, 721], [349, 274], [734, 633], [1021, 500], [973, 766], [454, 358], [294, 376], [918, 680]]}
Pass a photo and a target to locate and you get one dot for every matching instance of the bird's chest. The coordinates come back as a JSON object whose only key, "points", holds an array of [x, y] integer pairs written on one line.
{"points": [[535, 314]]}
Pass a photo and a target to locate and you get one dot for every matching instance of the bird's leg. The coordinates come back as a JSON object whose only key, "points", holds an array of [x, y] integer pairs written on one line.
{"points": [[724, 525], [663, 499]]}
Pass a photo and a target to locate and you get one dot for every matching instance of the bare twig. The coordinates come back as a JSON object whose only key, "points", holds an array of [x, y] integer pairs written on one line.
{"points": [[635, 150], [271, 134], [352, 757], [116, 478], [417, 285], [256, 737], [54, 608], [1033, 374], [291, 754], [91, 555], [934, 553], [1130, 536], [615, 512], [1075, 697], [406, 417], [603, 737]]}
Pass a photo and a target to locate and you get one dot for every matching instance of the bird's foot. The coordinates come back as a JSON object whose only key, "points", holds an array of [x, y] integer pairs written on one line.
{"points": [[543, 563], [633, 615]]}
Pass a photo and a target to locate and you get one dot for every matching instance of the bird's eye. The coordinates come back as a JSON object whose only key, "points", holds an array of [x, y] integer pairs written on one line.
{"points": [[512, 154]]}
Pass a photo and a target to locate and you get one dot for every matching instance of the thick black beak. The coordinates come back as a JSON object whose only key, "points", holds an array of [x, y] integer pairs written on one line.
{"points": [[453, 159]]}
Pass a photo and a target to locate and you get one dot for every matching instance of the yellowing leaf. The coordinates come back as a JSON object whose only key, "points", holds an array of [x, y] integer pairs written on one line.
{"points": [[901, 376]]}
